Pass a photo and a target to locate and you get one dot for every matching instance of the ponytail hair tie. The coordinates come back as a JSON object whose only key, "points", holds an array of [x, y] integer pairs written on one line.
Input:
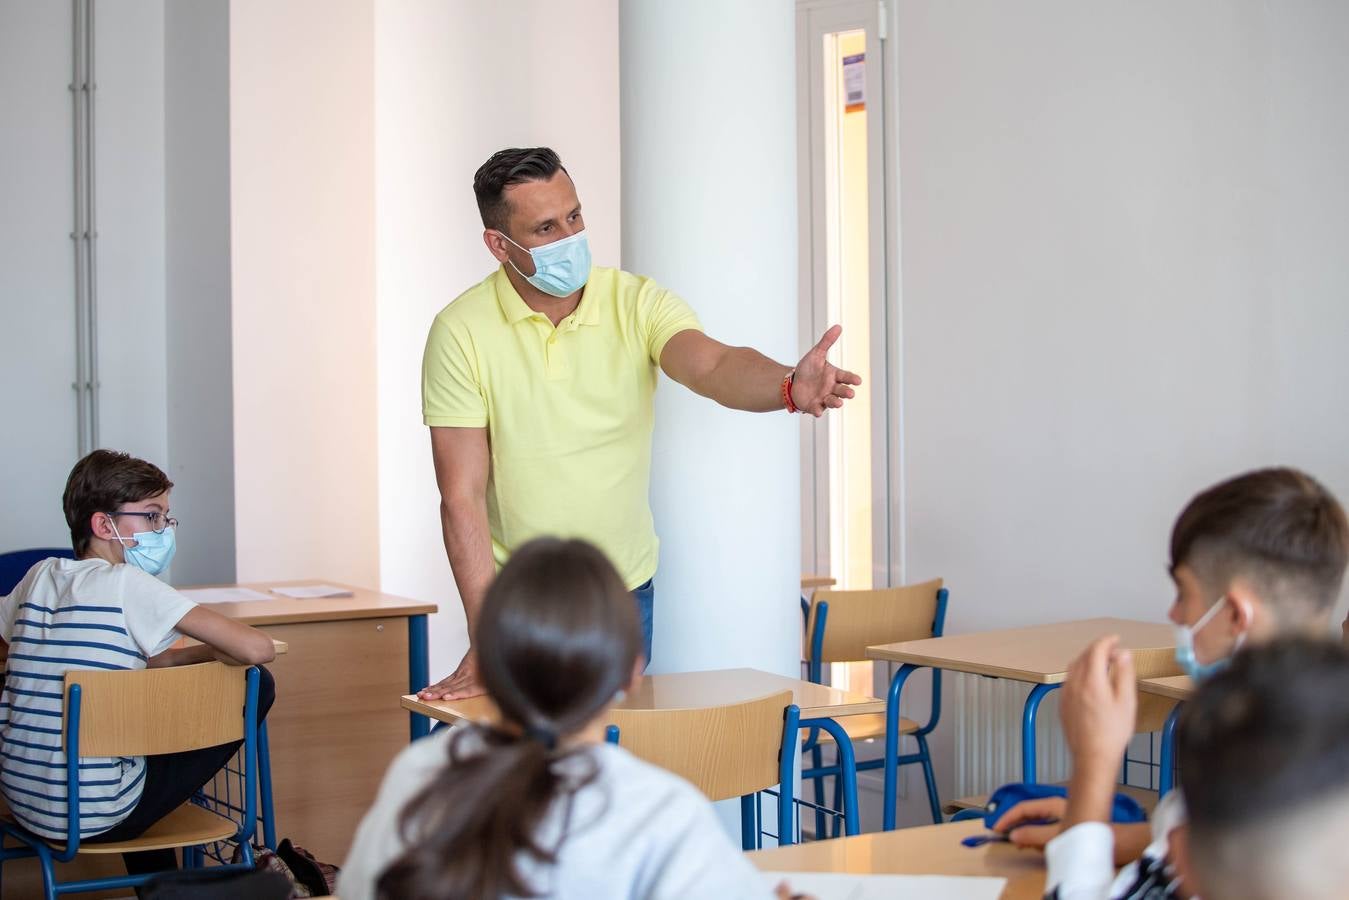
{"points": [[545, 736]]}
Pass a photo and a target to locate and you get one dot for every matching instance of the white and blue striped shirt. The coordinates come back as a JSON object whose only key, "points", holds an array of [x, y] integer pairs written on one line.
{"points": [[74, 614]]}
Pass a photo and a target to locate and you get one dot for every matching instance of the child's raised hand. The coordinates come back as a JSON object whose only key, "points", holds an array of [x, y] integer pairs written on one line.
{"points": [[1099, 704]]}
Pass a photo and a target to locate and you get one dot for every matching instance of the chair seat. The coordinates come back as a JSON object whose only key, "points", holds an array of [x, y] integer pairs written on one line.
{"points": [[187, 825], [863, 728]]}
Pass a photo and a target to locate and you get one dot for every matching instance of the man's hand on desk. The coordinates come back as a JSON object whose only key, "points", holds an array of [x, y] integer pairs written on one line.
{"points": [[459, 684]]}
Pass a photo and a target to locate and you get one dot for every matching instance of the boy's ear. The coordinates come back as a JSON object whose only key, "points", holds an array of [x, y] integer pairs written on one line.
{"points": [[100, 525], [1242, 606]]}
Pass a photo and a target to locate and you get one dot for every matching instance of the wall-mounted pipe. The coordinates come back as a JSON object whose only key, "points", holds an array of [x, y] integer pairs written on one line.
{"points": [[84, 237]]}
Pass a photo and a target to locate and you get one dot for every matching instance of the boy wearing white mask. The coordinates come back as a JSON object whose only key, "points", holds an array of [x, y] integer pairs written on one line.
{"points": [[106, 610], [1259, 556]]}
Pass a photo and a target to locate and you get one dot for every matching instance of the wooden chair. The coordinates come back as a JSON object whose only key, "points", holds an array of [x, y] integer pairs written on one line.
{"points": [[144, 713], [736, 750], [842, 625]]}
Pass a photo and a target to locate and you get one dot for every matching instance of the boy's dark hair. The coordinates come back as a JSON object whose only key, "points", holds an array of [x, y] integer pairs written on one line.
{"points": [[1264, 748], [505, 168], [1278, 528], [102, 482]]}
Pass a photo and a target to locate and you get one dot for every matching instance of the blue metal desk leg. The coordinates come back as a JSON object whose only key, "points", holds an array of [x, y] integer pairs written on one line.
{"points": [[892, 742], [847, 763], [419, 675], [265, 787], [749, 822], [1037, 694], [1168, 763]]}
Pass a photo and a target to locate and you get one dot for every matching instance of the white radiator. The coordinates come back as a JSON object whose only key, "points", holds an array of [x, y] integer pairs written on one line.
{"points": [[986, 713]]}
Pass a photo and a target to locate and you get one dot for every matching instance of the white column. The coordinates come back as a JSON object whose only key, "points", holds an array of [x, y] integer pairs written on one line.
{"points": [[708, 118]]}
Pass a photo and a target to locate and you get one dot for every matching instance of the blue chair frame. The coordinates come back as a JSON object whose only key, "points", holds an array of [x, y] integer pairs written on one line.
{"points": [[750, 832], [892, 759], [15, 564], [47, 855]]}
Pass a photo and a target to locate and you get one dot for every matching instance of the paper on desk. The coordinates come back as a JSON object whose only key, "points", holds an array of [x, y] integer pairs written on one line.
{"points": [[311, 591], [840, 886], [222, 595]]}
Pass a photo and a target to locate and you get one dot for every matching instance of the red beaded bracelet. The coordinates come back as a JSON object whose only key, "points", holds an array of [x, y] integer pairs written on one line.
{"points": [[787, 392]]}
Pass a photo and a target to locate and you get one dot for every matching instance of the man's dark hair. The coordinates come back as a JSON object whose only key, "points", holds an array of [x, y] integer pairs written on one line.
{"points": [[1264, 753], [102, 482], [505, 168], [1278, 528]]}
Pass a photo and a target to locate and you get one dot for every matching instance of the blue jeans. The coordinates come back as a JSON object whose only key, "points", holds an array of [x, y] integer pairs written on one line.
{"points": [[645, 595]]}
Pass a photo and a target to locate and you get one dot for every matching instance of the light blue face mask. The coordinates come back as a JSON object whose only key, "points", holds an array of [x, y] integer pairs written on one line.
{"points": [[561, 268], [1185, 647], [153, 551]]}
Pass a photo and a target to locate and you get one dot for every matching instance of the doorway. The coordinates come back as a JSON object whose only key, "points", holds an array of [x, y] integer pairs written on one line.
{"points": [[848, 492]]}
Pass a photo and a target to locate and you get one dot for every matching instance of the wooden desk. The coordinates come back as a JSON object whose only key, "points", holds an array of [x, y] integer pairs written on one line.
{"points": [[810, 582], [1039, 655], [332, 731], [1175, 687], [929, 850], [820, 706], [685, 690]]}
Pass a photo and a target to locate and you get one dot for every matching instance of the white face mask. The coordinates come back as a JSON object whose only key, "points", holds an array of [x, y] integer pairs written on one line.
{"points": [[1185, 646]]}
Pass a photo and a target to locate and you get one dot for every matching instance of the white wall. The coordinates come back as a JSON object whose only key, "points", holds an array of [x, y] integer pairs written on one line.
{"points": [[200, 415], [37, 342], [1123, 279], [709, 207], [454, 83], [132, 363], [303, 272], [37, 276]]}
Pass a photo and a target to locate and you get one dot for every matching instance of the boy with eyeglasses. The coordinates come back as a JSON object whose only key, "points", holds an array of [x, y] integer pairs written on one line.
{"points": [[106, 610]]}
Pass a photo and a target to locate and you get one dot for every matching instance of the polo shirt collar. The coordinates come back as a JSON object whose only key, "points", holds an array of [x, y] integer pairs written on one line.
{"points": [[514, 308]]}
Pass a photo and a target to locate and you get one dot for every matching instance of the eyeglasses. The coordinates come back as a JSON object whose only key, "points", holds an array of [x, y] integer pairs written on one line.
{"points": [[157, 521]]}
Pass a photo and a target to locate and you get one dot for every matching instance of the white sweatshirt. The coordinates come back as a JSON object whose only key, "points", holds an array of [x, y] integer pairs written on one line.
{"points": [[635, 831]]}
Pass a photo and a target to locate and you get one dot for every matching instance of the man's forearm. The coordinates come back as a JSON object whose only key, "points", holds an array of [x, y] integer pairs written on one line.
{"points": [[468, 544], [747, 380]]}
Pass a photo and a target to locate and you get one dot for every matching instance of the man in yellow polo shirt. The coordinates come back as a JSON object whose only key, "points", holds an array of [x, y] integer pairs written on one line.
{"points": [[537, 385]]}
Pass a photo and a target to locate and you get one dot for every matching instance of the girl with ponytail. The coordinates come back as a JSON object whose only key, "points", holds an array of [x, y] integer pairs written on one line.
{"points": [[538, 805]]}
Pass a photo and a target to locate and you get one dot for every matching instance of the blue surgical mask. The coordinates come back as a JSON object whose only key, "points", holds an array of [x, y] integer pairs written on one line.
{"points": [[1185, 647], [561, 268], [153, 551]]}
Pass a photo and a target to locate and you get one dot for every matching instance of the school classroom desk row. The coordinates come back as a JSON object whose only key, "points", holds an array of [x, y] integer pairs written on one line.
{"points": [[334, 731]]}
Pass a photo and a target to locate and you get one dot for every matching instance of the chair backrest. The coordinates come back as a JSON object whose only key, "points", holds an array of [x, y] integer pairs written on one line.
{"points": [[859, 619], [1152, 709], [152, 711], [15, 564], [724, 751]]}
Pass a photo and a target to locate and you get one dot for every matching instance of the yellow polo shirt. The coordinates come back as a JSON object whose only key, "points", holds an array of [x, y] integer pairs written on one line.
{"points": [[568, 410]]}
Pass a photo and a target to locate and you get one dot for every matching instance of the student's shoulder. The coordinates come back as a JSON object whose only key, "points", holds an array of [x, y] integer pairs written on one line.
{"points": [[646, 783]]}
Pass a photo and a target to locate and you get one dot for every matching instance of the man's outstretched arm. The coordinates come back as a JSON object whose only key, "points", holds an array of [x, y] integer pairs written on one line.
{"points": [[743, 378]]}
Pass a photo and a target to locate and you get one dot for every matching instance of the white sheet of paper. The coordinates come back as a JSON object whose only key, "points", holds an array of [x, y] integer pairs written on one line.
{"points": [[840, 886], [223, 595], [310, 591]]}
